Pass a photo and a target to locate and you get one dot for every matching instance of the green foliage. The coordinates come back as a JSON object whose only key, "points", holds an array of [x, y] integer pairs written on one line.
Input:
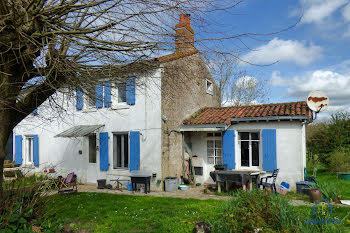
{"points": [[340, 160], [322, 139], [256, 210], [23, 203], [330, 190]]}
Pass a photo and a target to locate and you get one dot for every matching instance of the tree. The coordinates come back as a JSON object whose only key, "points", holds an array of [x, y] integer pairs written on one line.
{"points": [[49, 46], [237, 88]]}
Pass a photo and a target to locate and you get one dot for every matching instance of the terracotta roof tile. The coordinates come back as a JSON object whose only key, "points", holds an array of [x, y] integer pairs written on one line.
{"points": [[215, 115]]}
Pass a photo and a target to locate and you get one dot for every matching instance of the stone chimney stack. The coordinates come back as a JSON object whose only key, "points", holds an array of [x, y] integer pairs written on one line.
{"points": [[184, 37]]}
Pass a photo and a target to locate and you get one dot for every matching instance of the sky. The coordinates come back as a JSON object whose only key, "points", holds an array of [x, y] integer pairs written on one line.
{"points": [[312, 55]]}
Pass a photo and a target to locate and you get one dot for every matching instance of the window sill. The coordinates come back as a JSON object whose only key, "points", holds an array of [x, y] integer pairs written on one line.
{"points": [[92, 109], [121, 106], [210, 93], [28, 165], [121, 169]]}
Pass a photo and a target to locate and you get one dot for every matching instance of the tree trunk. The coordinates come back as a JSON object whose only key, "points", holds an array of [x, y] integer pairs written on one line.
{"points": [[5, 131]]}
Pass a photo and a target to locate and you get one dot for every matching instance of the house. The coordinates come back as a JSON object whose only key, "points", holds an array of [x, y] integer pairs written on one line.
{"points": [[127, 126], [257, 137]]}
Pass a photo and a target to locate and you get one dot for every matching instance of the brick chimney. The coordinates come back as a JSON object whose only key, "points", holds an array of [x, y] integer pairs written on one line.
{"points": [[184, 34]]}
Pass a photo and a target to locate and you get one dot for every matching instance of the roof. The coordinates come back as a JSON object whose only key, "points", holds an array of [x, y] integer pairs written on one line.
{"points": [[176, 55], [79, 131], [217, 115]]}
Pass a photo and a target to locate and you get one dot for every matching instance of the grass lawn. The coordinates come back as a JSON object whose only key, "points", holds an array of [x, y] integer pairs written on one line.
{"points": [[101, 212]]}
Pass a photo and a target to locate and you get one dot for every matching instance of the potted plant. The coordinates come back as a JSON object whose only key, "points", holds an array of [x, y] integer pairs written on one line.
{"points": [[52, 170]]}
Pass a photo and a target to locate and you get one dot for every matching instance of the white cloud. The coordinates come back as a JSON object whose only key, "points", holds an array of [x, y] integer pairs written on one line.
{"points": [[285, 51], [346, 12], [316, 11], [246, 82], [335, 85]]}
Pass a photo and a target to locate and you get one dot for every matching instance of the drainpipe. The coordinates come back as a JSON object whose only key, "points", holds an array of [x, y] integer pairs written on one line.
{"points": [[183, 156]]}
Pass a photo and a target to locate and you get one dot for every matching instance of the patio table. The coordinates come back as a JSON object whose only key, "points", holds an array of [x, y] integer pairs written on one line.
{"points": [[231, 175]]}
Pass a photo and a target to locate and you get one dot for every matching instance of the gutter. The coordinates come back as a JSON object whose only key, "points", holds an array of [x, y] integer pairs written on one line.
{"points": [[203, 127], [271, 118]]}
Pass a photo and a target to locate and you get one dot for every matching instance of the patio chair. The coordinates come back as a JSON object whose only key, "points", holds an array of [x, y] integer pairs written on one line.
{"points": [[272, 185], [310, 178], [69, 184]]}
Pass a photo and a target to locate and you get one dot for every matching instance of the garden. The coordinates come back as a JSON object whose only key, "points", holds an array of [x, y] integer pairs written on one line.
{"points": [[31, 203]]}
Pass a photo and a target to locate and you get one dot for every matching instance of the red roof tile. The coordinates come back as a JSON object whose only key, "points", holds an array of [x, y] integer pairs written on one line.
{"points": [[216, 115]]}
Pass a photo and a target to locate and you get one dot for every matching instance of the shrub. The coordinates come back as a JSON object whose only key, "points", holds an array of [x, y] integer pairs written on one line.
{"points": [[254, 211], [257, 211], [340, 160], [23, 204]]}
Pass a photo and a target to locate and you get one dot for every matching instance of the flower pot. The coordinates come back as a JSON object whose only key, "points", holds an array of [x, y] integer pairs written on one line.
{"points": [[315, 195], [7, 161], [51, 170]]}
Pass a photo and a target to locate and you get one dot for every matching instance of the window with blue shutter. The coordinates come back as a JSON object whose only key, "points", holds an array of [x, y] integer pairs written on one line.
{"points": [[79, 100], [35, 112], [130, 90], [228, 144], [107, 100], [36, 150], [18, 149], [99, 96], [269, 149], [134, 150], [104, 163]]}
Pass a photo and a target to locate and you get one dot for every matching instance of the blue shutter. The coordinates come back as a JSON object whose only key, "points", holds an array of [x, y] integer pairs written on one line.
{"points": [[99, 96], [228, 147], [108, 92], [18, 149], [134, 150], [130, 91], [36, 150], [104, 164], [79, 101], [269, 149]]}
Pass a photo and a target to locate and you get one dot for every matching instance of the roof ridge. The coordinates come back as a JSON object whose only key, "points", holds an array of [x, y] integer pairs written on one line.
{"points": [[255, 105]]}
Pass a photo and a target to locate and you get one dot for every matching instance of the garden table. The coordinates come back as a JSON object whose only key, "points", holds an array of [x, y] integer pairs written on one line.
{"points": [[226, 176]]}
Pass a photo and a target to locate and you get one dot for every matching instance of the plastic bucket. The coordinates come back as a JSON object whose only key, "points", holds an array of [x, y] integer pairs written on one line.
{"points": [[170, 184], [129, 186]]}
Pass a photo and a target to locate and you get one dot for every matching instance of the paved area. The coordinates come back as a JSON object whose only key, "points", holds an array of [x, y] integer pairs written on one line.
{"points": [[196, 193]]}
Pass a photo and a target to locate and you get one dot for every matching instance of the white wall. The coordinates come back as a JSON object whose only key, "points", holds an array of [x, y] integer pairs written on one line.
{"points": [[144, 116], [290, 142]]}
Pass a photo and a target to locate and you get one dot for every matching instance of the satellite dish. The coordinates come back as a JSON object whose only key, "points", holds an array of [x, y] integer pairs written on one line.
{"points": [[317, 101]]}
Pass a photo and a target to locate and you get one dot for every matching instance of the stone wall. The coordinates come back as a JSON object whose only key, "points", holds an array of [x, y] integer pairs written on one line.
{"points": [[183, 93]]}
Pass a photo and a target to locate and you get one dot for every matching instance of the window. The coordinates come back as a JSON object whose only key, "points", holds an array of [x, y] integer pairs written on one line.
{"points": [[209, 87], [198, 171], [214, 150], [121, 93], [92, 148], [249, 143], [120, 151], [29, 150]]}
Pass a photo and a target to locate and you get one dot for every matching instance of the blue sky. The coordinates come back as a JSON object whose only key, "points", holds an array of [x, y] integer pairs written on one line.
{"points": [[313, 55]]}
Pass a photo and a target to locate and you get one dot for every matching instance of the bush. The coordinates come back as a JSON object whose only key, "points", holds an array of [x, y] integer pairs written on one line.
{"points": [[256, 211], [23, 204], [323, 139], [340, 160]]}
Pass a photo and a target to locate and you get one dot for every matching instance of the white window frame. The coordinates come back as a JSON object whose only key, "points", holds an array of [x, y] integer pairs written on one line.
{"points": [[122, 150], [27, 160], [209, 88], [250, 149], [115, 95], [216, 156]]}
